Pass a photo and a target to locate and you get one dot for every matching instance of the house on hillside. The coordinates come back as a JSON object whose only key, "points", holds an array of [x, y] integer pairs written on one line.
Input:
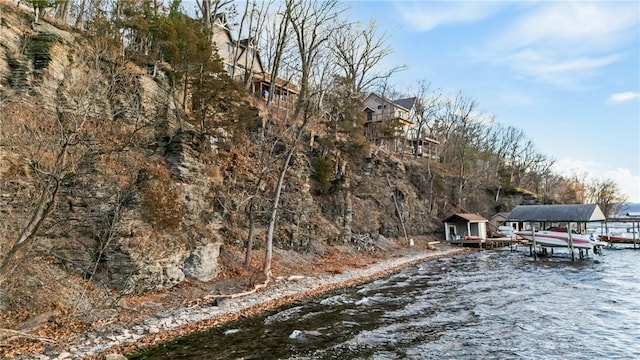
{"points": [[242, 62], [389, 124]]}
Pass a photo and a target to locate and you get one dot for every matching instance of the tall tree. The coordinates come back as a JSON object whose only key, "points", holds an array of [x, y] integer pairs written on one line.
{"points": [[605, 193], [208, 9], [313, 22], [298, 132], [185, 45], [426, 109], [359, 49]]}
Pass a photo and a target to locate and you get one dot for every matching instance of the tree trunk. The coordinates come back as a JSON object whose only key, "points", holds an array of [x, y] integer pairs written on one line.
{"points": [[281, 42], [348, 208], [276, 201], [274, 214], [45, 205], [80, 16], [63, 11], [252, 233]]}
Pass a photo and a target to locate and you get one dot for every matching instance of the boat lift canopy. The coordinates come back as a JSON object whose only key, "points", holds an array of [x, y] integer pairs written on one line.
{"points": [[556, 213]]}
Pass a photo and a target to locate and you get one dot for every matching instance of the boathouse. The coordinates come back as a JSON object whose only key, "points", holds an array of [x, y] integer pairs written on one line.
{"points": [[461, 227]]}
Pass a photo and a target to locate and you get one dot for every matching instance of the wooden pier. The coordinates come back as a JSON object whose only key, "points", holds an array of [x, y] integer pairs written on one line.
{"points": [[490, 243]]}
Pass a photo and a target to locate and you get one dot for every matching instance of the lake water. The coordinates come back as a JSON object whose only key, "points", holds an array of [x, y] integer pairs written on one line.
{"points": [[483, 305]]}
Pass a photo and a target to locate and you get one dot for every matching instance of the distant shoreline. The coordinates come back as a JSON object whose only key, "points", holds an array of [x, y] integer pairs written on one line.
{"points": [[168, 325]]}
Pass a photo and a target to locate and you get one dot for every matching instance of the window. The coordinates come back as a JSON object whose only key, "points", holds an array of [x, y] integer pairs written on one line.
{"points": [[369, 116]]}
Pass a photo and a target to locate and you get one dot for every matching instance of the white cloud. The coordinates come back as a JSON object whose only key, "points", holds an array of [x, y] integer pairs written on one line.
{"points": [[581, 24], [624, 96], [580, 168], [550, 68], [565, 42], [424, 16], [628, 182]]}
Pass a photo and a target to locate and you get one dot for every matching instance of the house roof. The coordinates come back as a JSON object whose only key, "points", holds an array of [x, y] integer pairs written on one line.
{"points": [[501, 214], [465, 217], [220, 20], [398, 103], [247, 45], [406, 103], [557, 213], [282, 83]]}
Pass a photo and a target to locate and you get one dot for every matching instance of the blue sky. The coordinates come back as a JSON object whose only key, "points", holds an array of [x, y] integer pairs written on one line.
{"points": [[565, 72]]}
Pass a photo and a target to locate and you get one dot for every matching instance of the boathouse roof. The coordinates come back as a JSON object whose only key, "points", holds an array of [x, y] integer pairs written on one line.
{"points": [[461, 217], [557, 213]]}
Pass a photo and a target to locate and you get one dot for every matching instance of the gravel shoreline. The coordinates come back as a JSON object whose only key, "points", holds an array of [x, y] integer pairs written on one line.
{"points": [[163, 326]]}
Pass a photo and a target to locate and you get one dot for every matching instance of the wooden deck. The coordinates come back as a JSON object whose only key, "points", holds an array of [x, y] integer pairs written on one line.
{"points": [[489, 243]]}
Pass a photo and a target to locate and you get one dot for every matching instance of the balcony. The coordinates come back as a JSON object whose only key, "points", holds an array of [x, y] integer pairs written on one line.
{"points": [[401, 116]]}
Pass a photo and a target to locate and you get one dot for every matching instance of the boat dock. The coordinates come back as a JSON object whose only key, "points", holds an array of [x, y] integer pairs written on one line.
{"points": [[540, 216], [632, 237], [547, 227], [489, 243]]}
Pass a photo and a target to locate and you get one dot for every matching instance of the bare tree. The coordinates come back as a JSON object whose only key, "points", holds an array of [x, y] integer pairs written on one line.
{"points": [[209, 8], [312, 22], [458, 127], [278, 192], [62, 10], [605, 193], [51, 147], [426, 108], [277, 47], [359, 50]]}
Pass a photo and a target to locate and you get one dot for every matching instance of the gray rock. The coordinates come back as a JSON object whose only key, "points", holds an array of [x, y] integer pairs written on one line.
{"points": [[202, 264]]}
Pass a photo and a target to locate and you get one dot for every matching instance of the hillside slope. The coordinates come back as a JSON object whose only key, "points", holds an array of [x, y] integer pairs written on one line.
{"points": [[119, 197]]}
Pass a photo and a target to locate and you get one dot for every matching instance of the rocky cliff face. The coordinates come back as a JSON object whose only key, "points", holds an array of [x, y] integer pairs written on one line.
{"points": [[135, 212]]}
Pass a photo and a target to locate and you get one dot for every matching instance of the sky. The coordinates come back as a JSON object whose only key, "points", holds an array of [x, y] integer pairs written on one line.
{"points": [[565, 72]]}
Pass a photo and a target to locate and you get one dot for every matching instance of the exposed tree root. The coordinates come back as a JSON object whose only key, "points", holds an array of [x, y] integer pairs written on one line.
{"points": [[7, 335]]}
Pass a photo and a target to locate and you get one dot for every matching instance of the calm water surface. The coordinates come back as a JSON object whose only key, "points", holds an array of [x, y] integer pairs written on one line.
{"points": [[482, 305]]}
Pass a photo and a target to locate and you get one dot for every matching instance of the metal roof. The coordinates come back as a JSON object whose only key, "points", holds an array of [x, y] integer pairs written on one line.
{"points": [[465, 217], [550, 213]]}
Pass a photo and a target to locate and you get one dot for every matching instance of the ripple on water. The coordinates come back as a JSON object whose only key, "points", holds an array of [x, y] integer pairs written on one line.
{"points": [[338, 299], [284, 315], [482, 305]]}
